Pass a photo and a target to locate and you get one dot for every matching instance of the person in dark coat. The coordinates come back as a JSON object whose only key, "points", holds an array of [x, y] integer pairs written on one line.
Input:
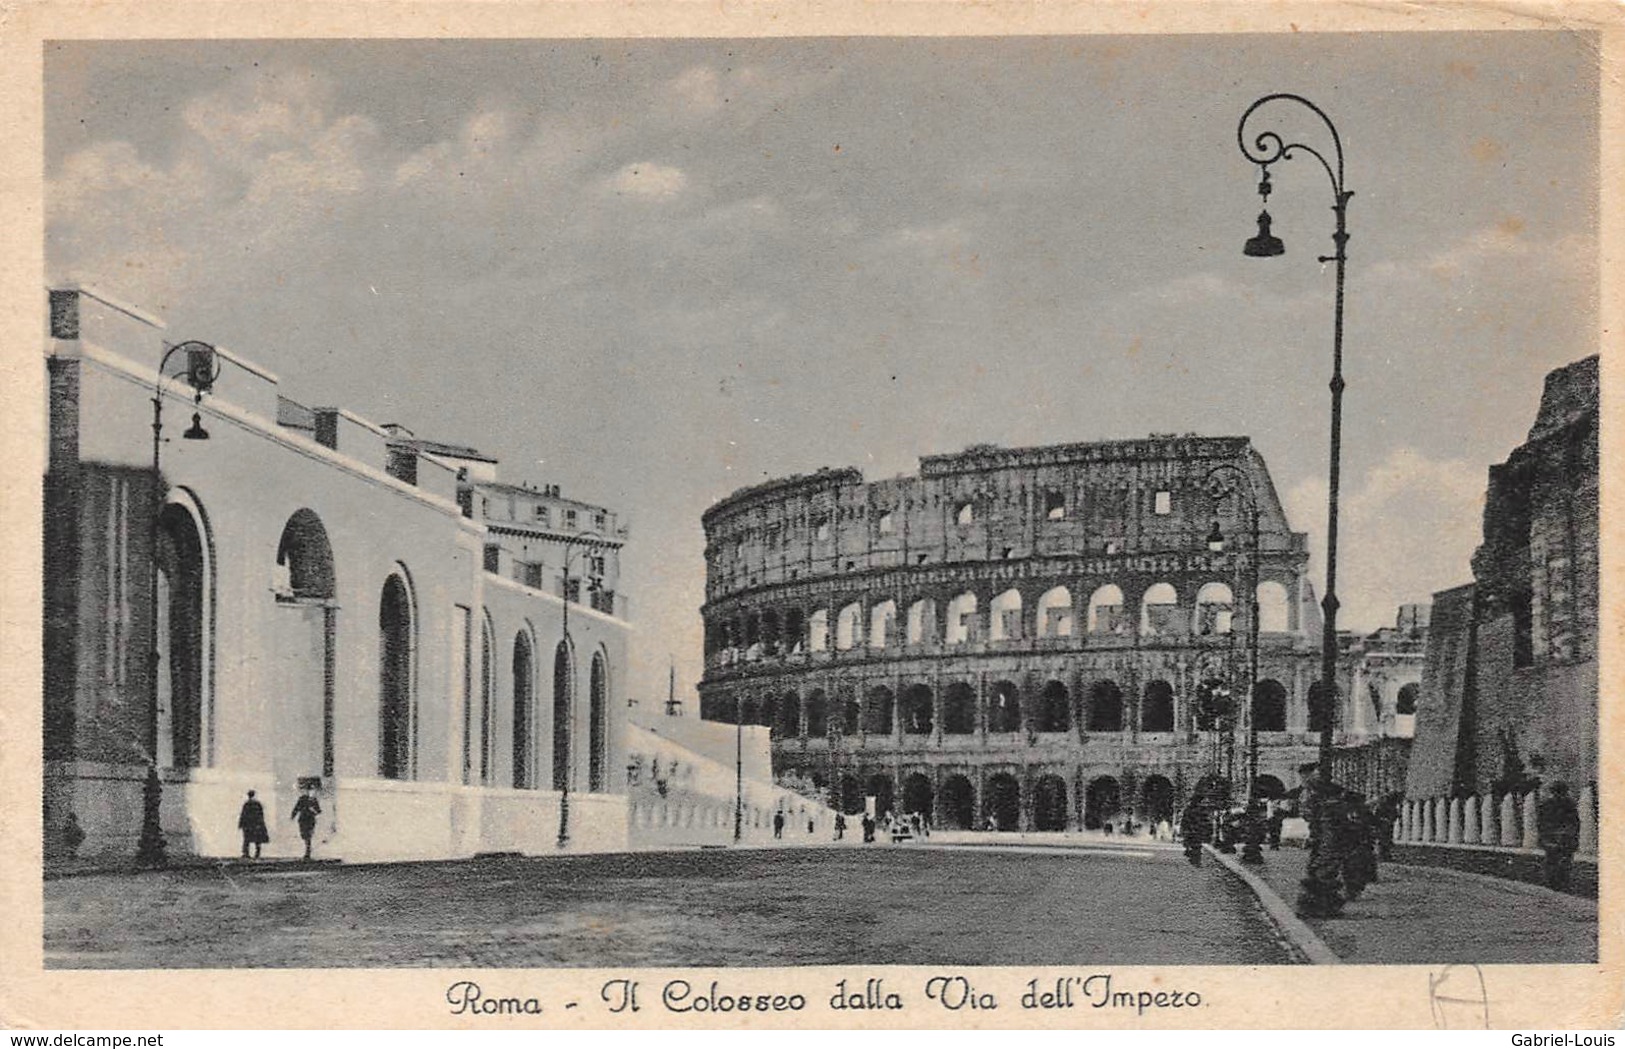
{"points": [[305, 810], [778, 824], [1358, 852], [251, 821], [1387, 815], [868, 829], [840, 826], [1559, 835], [1195, 828]]}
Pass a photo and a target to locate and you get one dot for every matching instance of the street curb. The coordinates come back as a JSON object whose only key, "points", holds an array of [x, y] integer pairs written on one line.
{"points": [[1302, 938]]}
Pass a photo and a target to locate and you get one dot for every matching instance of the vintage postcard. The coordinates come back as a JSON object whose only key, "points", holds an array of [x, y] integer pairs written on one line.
{"points": [[902, 516]]}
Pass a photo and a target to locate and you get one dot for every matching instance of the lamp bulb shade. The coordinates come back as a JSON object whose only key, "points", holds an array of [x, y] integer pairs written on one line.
{"points": [[1265, 244], [196, 432]]}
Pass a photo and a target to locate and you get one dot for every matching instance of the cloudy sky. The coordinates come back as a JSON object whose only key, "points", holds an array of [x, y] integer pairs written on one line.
{"points": [[655, 271]]}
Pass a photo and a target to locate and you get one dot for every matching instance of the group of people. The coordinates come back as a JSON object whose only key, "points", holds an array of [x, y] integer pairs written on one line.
{"points": [[251, 821], [898, 828]]}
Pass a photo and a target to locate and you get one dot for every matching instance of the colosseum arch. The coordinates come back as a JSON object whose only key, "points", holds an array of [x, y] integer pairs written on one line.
{"points": [[816, 714], [1004, 708], [1004, 616], [917, 795], [922, 621], [883, 624], [1405, 702], [959, 710], [818, 631], [795, 631], [1106, 611], [1157, 707], [1273, 608], [1157, 799], [1105, 707], [1103, 800], [851, 713], [1055, 613], [849, 627], [772, 636], [957, 802], [1049, 803], [1001, 804], [961, 619], [917, 710], [879, 787], [1055, 709], [877, 712], [1215, 610], [1158, 610]]}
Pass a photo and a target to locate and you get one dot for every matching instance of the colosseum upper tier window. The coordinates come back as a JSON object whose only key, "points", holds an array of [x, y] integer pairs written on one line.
{"points": [[884, 524], [965, 514], [821, 527], [1055, 505], [1164, 503]]}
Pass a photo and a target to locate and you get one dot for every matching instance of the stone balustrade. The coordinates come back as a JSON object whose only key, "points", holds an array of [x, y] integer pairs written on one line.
{"points": [[1508, 822]]}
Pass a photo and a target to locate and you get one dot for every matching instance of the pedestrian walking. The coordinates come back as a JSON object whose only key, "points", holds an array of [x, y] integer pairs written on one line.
{"points": [[251, 821], [840, 826], [868, 829], [1559, 835], [1277, 819], [1195, 825], [778, 824], [305, 810], [811, 825]]}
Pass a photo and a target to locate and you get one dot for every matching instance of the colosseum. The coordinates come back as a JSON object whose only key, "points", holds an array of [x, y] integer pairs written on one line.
{"points": [[1035, 638]]}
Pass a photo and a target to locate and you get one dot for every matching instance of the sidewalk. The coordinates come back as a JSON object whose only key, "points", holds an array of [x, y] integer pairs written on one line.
{"points": [[1429, 915]]}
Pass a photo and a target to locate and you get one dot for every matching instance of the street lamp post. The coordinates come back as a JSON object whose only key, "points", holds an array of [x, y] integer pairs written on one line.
{"points": [[739, 766], [1222, 480], [1320, 896], [201, 370], [593, 583]]}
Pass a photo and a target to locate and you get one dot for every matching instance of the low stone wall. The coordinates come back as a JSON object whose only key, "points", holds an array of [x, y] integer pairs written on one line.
{"points": [[1515, 864]]}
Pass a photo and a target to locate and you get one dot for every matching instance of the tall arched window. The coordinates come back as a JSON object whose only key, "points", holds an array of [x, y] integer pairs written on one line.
{"points": [[524, 713], [563, 701], [1106, 611], [961, 619], [598, 718], [1159, 610], [182, 629], [1215, 610], [849, 627], [395, 720], [1055, 613], [487, 689], [1004, 616], [1273, 613]]}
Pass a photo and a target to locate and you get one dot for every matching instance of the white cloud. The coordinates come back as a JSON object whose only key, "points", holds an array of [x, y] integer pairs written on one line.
{"points": [[649, 181], [1406, 529], [702, 89]]}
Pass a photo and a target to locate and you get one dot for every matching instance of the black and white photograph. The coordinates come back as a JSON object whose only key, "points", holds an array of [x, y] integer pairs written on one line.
{"points": [[820, 503]]}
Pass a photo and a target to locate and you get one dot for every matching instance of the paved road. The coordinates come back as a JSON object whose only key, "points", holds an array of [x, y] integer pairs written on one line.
{"points": [[879, 905]]}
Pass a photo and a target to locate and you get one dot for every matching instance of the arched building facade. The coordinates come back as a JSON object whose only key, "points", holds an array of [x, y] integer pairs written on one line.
{"points": [[337, 605], [1037, 638]]}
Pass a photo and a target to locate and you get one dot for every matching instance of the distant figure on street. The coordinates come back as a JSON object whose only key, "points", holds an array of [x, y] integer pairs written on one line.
{"points": [[73, 836], [778, 824], [811, 825], [305, 810], [251, 821], [840, 826], [868, 828], [1559, 835], [1165, 832], [1277, 818]]}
